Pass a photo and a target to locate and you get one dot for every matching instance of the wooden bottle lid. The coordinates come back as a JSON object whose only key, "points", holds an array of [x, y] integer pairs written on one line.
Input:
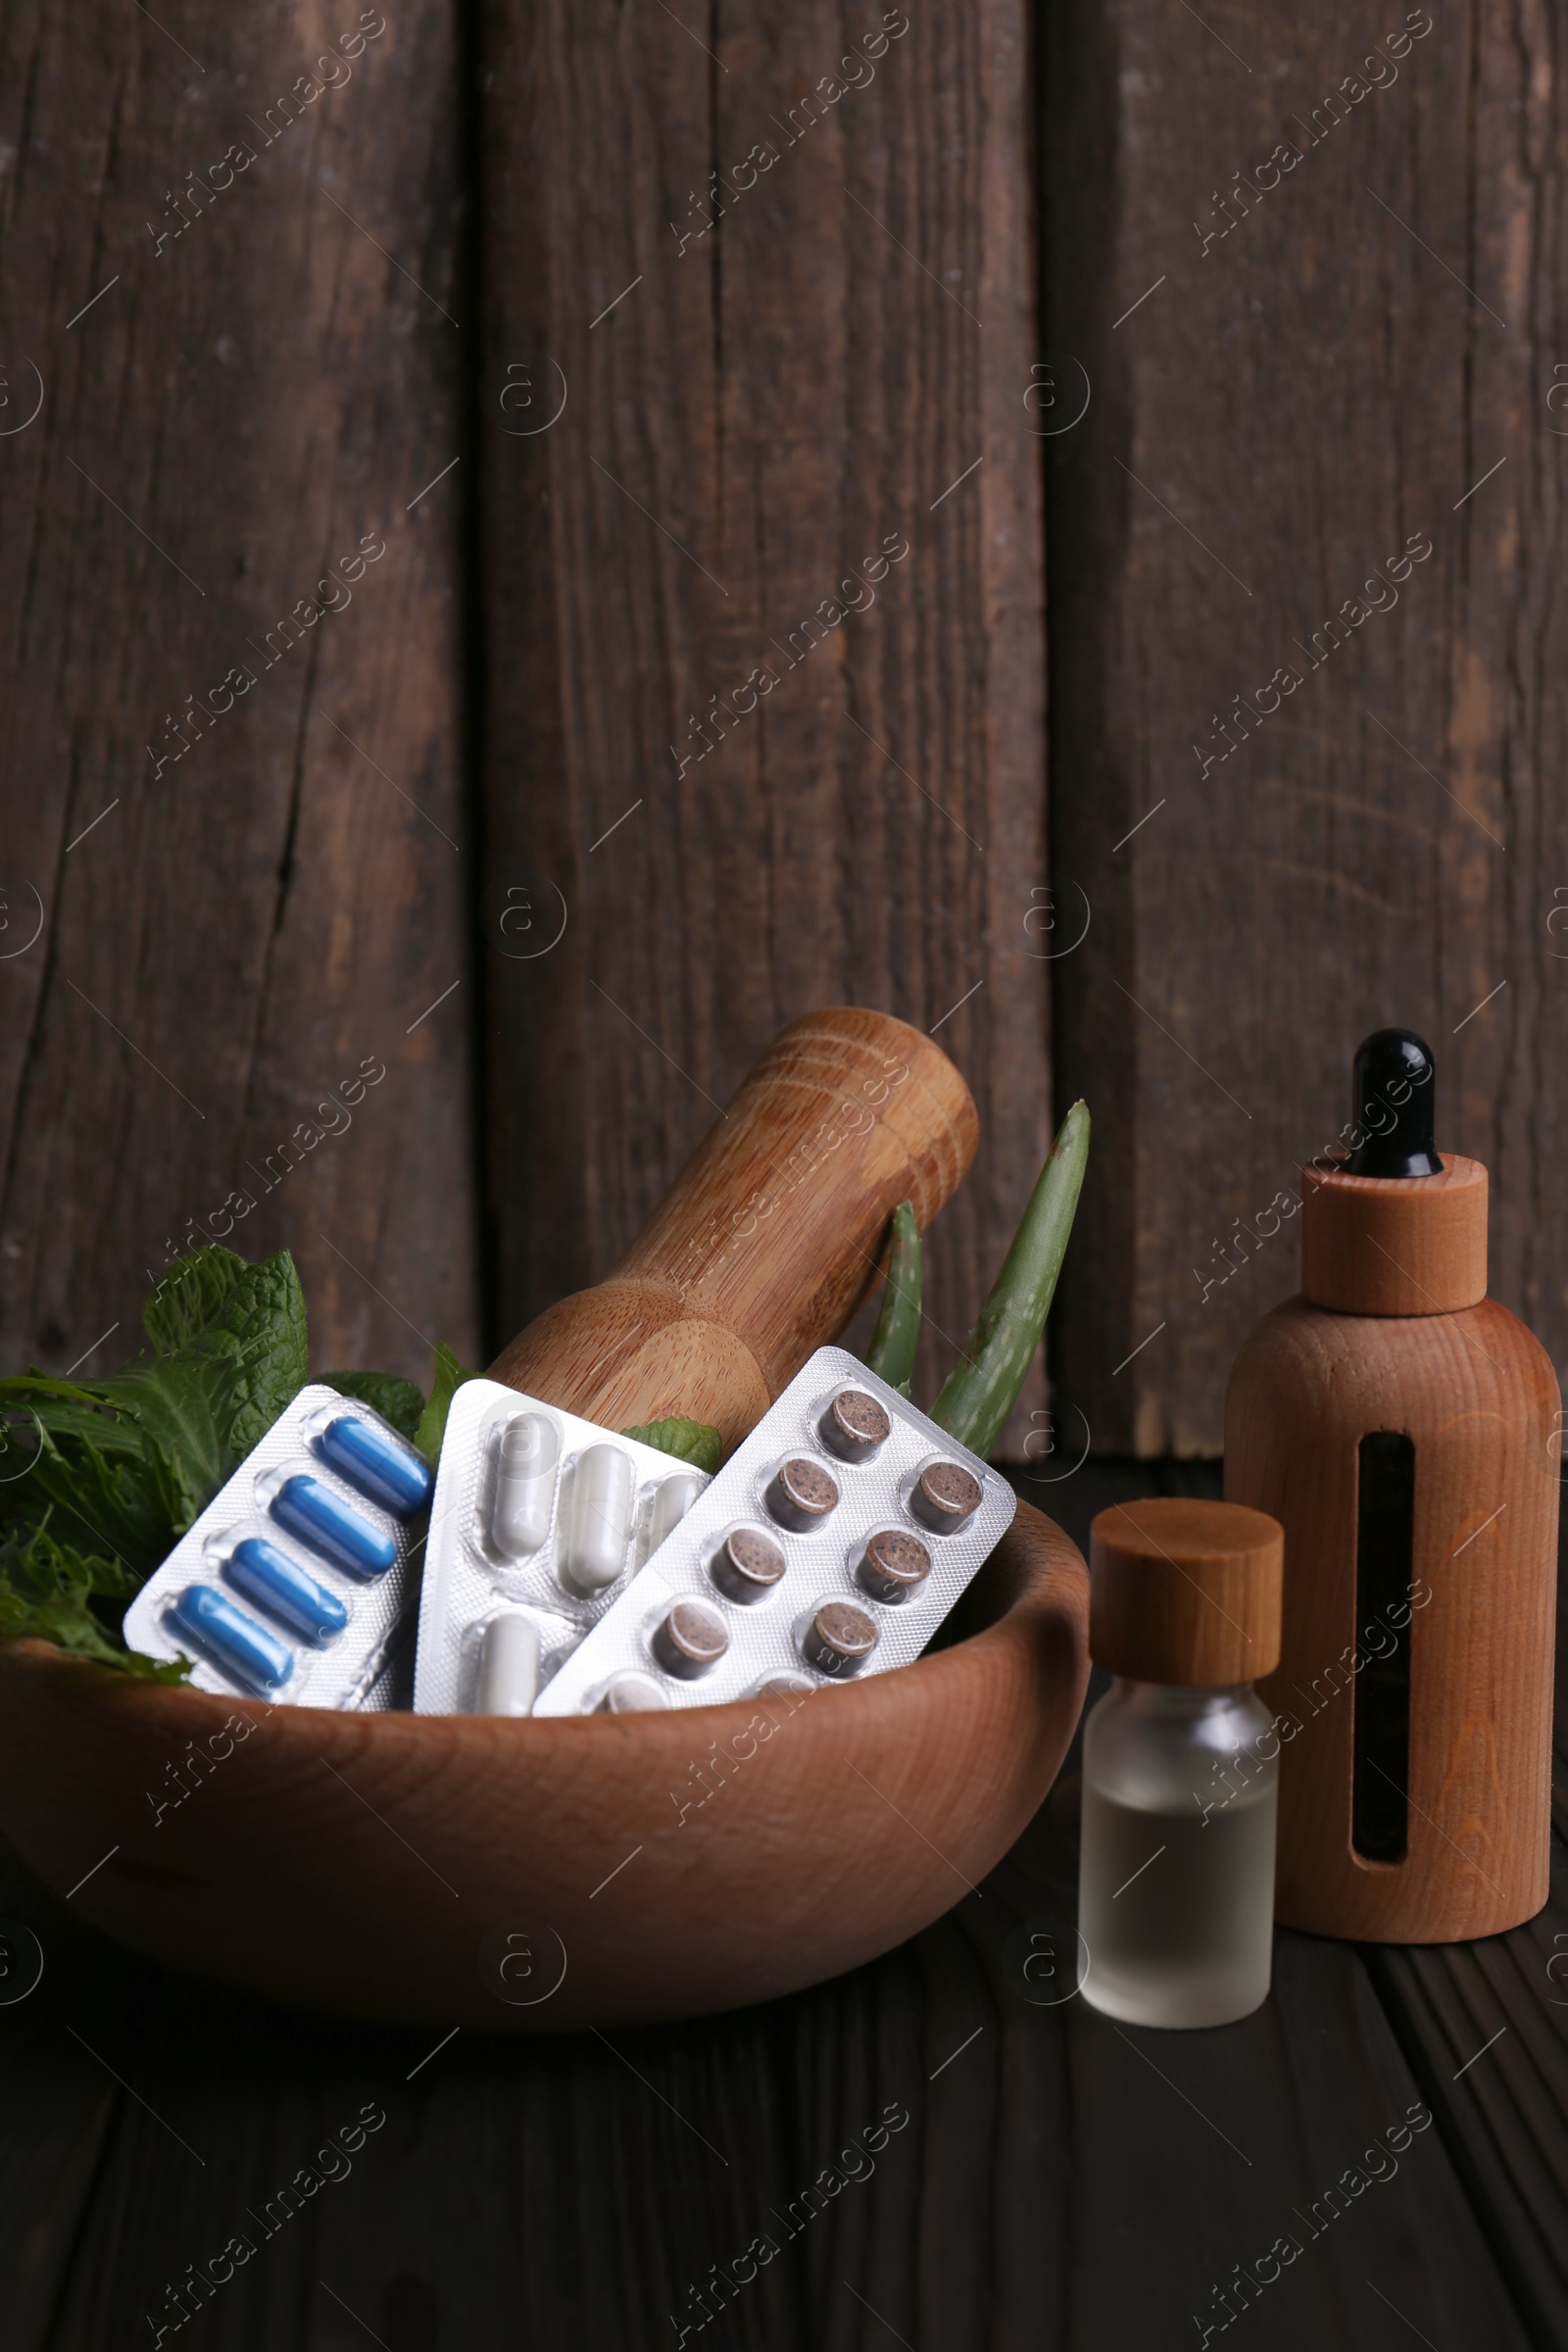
{"points": [[1395, 1245], [1186, 1592]]}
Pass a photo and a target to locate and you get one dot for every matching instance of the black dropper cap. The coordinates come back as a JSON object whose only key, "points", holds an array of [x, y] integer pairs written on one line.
{"points": [[1396, 1090]]}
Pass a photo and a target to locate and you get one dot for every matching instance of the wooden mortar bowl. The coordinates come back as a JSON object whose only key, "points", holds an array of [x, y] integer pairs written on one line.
{"points": [[467, 1871]]}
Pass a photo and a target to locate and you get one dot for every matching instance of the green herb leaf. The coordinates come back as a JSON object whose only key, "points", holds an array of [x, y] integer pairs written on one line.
{"points": [[688, 1440], [395, 1401], [204, 1405], [47, 1590], [126, 1463], [121, 1467], [265, 1314], [189, 1296], [107, 1496], [448, 1379]]}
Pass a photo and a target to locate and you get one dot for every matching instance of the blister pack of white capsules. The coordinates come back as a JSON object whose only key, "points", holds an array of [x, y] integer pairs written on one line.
{"points": [[540, 1522], [297, 1581], [833, 1542]]}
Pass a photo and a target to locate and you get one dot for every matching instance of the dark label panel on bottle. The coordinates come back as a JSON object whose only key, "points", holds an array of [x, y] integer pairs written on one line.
{"points": [[1385, 1532]]}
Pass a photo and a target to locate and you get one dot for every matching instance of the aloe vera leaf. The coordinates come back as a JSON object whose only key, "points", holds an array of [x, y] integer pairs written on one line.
{"points": [[896, 1336], [983, 1388]]}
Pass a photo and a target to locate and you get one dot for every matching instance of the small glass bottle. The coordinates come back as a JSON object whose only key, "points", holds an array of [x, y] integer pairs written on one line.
{"points": [[1176, 1878]]}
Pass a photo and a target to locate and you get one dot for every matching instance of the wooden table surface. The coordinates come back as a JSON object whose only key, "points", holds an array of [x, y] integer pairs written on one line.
{"points": [[1058, 2183]]}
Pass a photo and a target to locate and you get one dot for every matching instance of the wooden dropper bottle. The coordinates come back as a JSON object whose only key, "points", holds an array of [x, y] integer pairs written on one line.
{"points": [[1403, 1428]]}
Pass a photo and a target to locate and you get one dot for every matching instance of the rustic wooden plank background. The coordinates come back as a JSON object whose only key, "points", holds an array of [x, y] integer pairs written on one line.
{"points": [[775, 380], [246, 380], [1295, 372], [766, 377]]}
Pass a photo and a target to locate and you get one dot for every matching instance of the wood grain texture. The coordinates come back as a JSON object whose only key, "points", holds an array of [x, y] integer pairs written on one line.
{"points": [[1325, 380], [1504, 2108], [818, 1834], [769, 1237], [1394, 1245], [1186, 1592], [1478, 1397], [742, 607], [234, 421], [1485, 2028]]}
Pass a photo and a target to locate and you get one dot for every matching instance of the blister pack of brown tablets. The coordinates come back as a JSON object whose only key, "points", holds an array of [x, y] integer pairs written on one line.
{"points": [[832, 1543]]}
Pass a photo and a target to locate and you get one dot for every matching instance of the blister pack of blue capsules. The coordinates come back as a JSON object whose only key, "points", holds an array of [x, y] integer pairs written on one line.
{"points": [[298, 1581], [833, 1542]]}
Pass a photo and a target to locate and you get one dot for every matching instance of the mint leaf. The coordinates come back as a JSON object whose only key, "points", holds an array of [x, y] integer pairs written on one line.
{"points": [[110, 1496], [100, 1479], [126, 1463], [47, 1591], [206, 1405], [189, 1296], [395, 1401], [106, 1494], [688, 1440], [265, 1313], [448, 1378]]}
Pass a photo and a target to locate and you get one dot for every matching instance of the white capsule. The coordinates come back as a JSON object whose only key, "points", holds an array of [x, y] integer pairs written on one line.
{"points": [[671, 1502], [601, 1518], [509, 1665], [526, 1485]]}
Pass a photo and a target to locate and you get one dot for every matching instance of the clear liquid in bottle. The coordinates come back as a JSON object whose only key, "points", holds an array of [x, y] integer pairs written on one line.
{"points": [[1176, 1881]]}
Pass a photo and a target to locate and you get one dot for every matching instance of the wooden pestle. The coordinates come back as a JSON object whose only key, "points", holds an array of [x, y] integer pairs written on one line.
{"points": [[769, 1239]]}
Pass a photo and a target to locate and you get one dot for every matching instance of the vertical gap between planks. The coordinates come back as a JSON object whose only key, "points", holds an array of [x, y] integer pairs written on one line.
{"points": [[470, 23]]}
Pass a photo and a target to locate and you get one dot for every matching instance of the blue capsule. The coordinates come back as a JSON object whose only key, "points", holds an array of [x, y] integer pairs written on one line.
{"points": [[309, 1509], [267, 1576], [241, 1646], [378, 1463]]}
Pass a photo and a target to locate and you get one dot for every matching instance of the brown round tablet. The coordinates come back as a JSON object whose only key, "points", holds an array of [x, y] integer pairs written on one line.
{"points": [[802, 1494], [690, 1640], [747, 1565], [946, 1496], [839, 1638], [631, 1695], [855, 1425], [895, 1563]]}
